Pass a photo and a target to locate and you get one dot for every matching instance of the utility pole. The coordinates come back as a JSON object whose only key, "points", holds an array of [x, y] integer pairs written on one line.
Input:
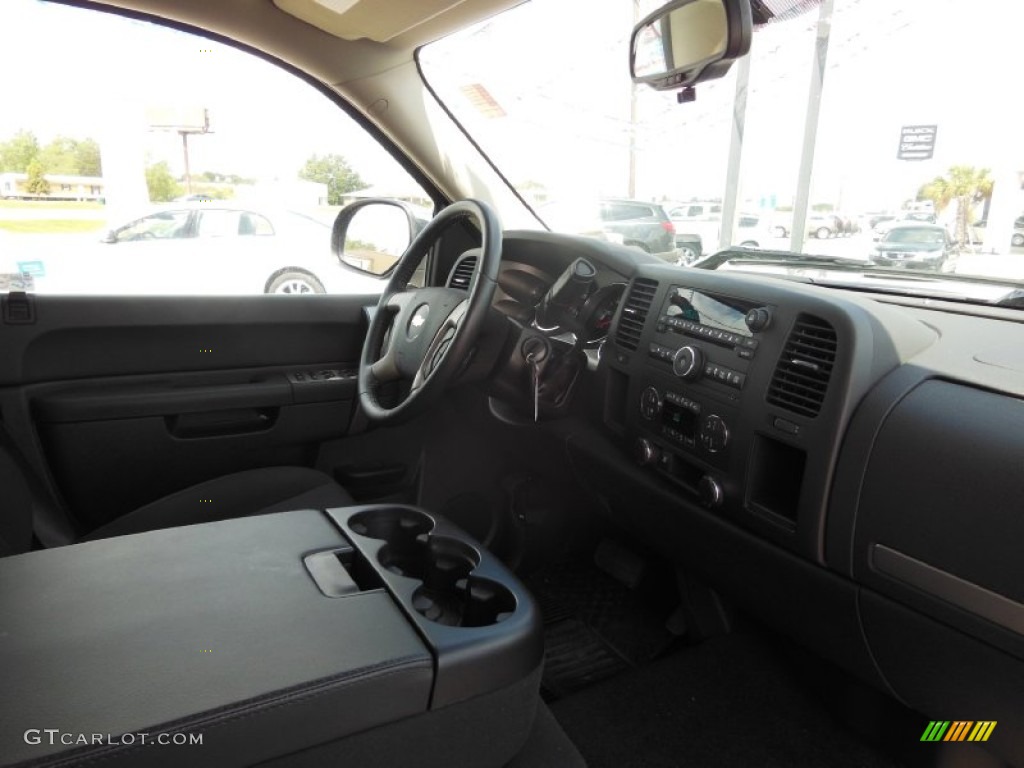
{"points": [[188, 171]]}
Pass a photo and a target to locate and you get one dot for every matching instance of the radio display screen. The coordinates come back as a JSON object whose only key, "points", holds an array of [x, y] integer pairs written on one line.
{"points": [[721, 312]]}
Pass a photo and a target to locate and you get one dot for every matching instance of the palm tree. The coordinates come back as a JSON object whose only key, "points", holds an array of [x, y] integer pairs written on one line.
{"points": [[966, 185]]}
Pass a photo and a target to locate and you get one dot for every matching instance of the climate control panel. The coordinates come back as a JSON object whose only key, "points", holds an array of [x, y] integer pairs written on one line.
{"points": [[700, 354]]}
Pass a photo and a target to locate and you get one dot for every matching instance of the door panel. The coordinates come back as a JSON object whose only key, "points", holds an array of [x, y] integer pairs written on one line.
{"points": [[79, 337], [119, 401]]}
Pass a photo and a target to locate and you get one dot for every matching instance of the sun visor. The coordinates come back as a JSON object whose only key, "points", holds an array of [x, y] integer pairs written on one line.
{"points": [[355, 19]]}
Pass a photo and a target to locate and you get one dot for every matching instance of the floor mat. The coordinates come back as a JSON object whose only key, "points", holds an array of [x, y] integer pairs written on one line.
{"points": [[729, 701], [595, 627]]}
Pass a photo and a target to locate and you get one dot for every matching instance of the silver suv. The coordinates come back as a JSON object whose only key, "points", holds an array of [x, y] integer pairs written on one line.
{"points": [[644, 225]]}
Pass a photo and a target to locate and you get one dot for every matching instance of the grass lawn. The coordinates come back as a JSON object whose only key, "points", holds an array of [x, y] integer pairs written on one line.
{"points": [[51, 226], [52, 205]]}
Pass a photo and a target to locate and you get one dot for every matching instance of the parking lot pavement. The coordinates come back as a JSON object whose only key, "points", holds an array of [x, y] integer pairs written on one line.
{"points": [[55, 212]]}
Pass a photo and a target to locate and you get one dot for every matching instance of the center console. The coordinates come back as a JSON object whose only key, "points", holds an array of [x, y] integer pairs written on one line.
{"points": [[736, 390], [374, 635]]}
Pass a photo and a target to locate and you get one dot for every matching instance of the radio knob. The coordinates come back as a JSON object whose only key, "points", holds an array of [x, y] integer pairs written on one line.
{"points": [[650, 403], [688, 363], [710, 492], [647, 453], [758, 319]]}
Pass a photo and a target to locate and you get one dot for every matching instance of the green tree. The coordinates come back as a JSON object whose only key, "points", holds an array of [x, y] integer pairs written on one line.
{"points": [[87, 155], [59, 156], [335, 172], [37, 183], [963, 184], [17, 152], [71, 156], [160, 183]]}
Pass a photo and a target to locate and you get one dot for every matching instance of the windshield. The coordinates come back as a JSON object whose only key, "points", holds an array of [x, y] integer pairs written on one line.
{"points": [[862, 111]]}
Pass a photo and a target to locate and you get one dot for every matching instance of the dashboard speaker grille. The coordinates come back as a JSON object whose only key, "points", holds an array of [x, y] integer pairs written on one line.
{"points": [[462, 273], [634, 313], [802, 374]]}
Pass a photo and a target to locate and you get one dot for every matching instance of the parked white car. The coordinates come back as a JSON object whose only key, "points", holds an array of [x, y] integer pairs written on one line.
{"points": [[200, 248], [705, 219]]}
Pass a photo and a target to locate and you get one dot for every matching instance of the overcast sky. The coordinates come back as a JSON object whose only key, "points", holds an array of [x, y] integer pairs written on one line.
{"points": [[265, 121], [891, 63], [558, 70]]}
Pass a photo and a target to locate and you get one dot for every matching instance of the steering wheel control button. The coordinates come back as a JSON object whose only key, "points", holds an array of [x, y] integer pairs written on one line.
{"points": [[714, 433], [688, 363], [418, 321], [650, 403], [758, 319]]}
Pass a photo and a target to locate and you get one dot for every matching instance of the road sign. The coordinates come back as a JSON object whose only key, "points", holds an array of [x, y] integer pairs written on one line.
{"points": [[917, 142]]}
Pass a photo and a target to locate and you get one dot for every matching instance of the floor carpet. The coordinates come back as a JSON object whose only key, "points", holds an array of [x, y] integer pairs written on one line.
{"points": [[730, 701]]}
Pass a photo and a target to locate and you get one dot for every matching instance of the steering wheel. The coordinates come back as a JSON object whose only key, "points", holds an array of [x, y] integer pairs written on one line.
{"points": [[426, 336]]}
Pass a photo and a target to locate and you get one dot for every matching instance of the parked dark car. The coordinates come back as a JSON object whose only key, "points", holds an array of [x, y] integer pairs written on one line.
{"points": [[915, 246], [644, 225]]}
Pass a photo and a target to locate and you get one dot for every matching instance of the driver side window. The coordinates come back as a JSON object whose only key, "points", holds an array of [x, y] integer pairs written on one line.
{"points": [[241, 190]]}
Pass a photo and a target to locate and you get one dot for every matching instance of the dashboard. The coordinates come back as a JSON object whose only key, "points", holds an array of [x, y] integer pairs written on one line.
{"points": [[844, 465]]}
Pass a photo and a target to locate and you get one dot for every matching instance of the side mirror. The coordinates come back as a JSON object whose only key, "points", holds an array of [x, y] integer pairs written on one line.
{"points": [[689, 41], [371, 235]]}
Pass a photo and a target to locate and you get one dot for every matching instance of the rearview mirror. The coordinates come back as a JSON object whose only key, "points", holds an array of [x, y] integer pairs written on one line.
{"points": [[371, 235], [689, 41]]}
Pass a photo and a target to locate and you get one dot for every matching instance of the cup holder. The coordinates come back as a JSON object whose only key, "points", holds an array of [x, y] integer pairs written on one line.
{"points": [[437, 561], [393, 524], [473, 602], [448, 592]]}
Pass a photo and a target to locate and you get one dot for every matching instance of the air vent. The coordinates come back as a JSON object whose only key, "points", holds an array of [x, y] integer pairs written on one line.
{"points": [[804, 368], [462, 273], [634, 313]]}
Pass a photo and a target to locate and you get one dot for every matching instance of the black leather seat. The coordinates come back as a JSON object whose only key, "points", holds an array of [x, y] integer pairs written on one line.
{"points": [[24, 505], [254, 492]]}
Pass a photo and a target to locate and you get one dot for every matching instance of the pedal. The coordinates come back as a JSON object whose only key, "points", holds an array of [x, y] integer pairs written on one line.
{"points": [[620, 563]]}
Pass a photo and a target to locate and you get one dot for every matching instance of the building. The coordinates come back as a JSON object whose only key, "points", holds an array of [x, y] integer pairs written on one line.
{"points": [[14, 186]]}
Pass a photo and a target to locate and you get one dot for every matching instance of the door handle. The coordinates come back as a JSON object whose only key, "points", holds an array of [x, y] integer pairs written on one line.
{"points": [[236, 421]]}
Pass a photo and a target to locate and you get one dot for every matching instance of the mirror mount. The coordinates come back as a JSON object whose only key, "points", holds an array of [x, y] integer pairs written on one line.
{"points": [[689, 41]]}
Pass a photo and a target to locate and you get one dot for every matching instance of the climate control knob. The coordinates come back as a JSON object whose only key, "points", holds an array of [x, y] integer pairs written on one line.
{"points": [[650, 403], [688, 363], [710, 491], [714, 433], [646, 452]]}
